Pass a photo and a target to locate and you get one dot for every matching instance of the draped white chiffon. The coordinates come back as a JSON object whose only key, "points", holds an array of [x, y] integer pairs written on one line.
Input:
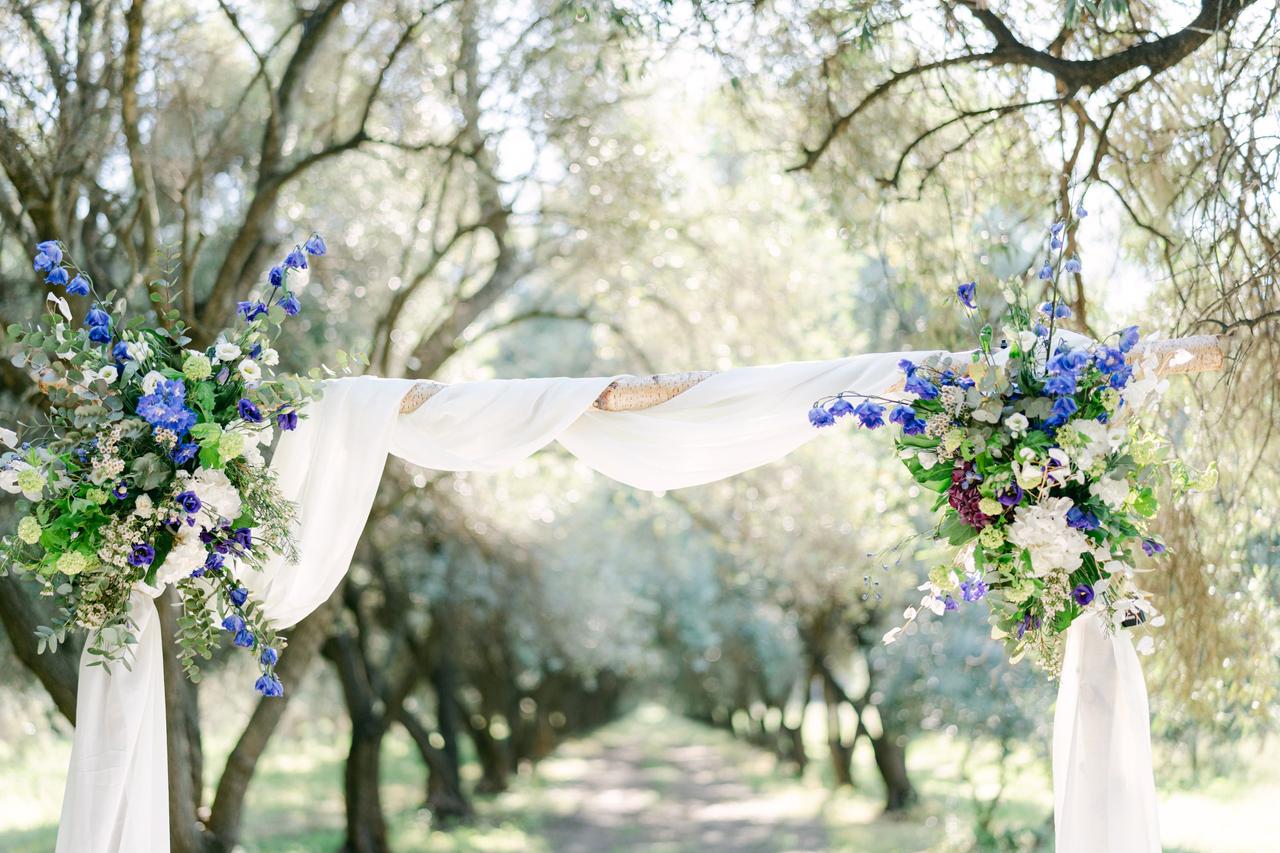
{"points": [[729, 423]]}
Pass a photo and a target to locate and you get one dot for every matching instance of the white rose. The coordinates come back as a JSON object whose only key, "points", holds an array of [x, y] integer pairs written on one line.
{"points": [[109, 374], [151, 380], [224, 351], [270, 357], [143, 508], [249, 370], [1017, 424]]}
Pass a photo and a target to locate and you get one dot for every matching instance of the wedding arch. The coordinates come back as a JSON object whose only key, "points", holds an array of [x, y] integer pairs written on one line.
{"points": [[654, 433]]}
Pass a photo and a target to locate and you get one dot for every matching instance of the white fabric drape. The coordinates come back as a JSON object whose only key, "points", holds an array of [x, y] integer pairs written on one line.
{"points": [[1104, 792], [331, 465]]}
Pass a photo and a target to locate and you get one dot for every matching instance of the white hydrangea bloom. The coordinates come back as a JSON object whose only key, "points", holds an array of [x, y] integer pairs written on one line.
{"points": [[1042, 529], [1110, 491]]}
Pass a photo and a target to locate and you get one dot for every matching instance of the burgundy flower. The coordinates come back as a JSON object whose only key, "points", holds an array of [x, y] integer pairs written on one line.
{"points": [[964, 496]]}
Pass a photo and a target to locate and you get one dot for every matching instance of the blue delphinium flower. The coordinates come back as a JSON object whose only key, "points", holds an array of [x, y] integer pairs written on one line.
{"points": [[56, 276], [1082, 519], [189, 501], [1063, 408], [921, 387], [296, 260], [250, 310], [973, 588], [243, 638], [949, 604], [287, 420], [120, 353], [276, 277], [820, 417], [870, 414], [1067, 360], [243, 536], [165, 407], [141, 555], [840, 407], [239, 596], [184, 452], [915, 426], [1046, 272], [78, 286], [1072, 265], [248, 411], [51, 250], [1151, 547], [1041, 330], [901, 415], [1060, 383], [1055, 309], [290, 305], [213, 561], [1128, 338], [1057, 227], [1083, 594], [908, 367], [1121, 377], [965, 293], [1081, 213], [1055, 242], [41, 262], [1108, 359], [233, 623], [269, 656], [269, 685], [315, 245], [99, 322]]}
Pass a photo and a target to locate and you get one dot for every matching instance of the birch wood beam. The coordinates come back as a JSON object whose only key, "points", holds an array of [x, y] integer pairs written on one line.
{"points": [[1196, 354]]}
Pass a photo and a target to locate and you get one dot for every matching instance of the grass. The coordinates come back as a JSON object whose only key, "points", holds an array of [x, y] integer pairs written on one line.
{"points": [[651, 781]]}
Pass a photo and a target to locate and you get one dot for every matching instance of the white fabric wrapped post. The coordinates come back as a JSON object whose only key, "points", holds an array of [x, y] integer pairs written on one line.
{"points": [[727, 423], [1104, 791], [117, 793]]}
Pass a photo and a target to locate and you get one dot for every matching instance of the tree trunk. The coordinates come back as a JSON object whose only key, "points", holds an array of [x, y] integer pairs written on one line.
{"points": [[891, 761], [366, 827], [493, 760], [21, 612], [444, 796], [186, 758], [227, 812], [841, 755]]}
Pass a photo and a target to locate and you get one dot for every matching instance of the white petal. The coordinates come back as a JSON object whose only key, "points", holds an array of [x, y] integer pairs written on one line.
{"points": [[63, 308]]}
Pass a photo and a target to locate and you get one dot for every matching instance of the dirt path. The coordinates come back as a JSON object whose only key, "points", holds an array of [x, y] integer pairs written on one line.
{"points": [[642, 786]]}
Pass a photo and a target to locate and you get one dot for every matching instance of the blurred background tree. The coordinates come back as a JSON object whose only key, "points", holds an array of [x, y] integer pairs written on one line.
{"points": [[549, 187]]}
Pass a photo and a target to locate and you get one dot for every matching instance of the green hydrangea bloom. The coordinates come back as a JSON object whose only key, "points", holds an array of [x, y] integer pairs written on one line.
{"points": [[29, 530], [197, 366], [31, 480], [991, 537], [97, 496], [74, 562], [230, 445]]}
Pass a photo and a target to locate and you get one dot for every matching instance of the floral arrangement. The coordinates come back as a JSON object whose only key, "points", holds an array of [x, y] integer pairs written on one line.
{"points": [[148, 467], [1046, 478]]}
